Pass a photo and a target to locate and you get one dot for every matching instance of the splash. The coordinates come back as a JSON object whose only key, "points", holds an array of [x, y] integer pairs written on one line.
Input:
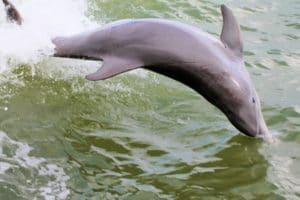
{"points": [[43, 20], [18, 167]]}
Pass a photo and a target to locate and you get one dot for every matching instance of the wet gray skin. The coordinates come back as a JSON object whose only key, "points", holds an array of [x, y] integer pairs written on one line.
{"points": [[214, 68]]}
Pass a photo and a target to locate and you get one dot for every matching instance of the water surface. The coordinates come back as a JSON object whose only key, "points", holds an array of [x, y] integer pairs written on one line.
{"points": [[141, 135]]}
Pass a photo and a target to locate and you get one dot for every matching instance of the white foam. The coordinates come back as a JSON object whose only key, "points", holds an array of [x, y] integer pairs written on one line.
{"points": [[55, 188], [4, 167], [118, 87], [43, 20]]}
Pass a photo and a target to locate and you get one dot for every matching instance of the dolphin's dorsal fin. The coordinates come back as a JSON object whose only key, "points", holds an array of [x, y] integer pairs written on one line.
{"points": [[12, 13], [113, 66], [231, 33]]}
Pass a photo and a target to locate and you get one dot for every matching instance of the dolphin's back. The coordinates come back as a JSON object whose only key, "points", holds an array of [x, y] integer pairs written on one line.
{"points": [[165, 40]]}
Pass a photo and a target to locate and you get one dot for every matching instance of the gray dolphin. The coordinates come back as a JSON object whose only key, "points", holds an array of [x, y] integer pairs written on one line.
{"points": [[213, 68], [12, 13]]}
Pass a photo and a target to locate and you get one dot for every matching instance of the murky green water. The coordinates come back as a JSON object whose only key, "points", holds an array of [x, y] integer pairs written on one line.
{"points": [[144, 136]]}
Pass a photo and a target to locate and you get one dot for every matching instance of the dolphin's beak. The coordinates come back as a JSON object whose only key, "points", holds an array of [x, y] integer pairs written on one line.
{"points": [[67, 48], [268, 138], [63, 47], [264, 133], [58, 42]]}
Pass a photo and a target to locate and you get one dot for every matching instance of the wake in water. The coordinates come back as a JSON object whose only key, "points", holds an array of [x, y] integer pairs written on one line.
{"points": [[43, 20]]}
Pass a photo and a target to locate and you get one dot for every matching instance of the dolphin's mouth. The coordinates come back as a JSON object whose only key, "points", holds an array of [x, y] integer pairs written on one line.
{"points": [[257, 121], [65, 50], [80, 57]]}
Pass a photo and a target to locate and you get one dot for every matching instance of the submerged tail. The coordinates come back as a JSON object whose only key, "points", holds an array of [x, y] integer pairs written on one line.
{"points": [[12, 13]]}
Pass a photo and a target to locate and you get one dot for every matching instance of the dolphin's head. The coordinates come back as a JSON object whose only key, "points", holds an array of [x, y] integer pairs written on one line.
{"points": [[244, 112], [242, 107]]}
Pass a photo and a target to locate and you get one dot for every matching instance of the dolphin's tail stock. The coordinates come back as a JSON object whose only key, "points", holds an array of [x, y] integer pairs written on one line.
{"points": [[12, 13]]}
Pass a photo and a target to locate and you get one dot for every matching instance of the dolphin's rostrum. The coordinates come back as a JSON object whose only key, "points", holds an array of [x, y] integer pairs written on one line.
{"points": [[214, 68]]}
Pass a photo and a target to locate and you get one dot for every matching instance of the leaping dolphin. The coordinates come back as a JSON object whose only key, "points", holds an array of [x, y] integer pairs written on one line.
{"points": [[12, 13], [214, 68]]}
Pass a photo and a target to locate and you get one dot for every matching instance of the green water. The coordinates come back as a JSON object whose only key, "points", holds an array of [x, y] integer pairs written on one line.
{"points": [[144, 136]]}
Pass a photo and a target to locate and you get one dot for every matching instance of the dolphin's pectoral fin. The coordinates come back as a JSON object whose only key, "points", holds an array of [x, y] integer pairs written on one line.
{"points": [[231, 34], [113, 66]]}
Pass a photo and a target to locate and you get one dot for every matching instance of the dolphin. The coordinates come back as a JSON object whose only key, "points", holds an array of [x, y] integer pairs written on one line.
{"points": [[12, 13], [214, 68]]}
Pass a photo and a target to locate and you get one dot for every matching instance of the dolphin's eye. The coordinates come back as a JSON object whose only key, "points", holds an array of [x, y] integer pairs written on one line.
{"points": [[253, 100]]}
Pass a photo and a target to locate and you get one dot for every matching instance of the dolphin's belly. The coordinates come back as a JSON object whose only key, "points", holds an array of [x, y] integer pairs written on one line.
{"points": [[203, 81], [218, 86]]}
